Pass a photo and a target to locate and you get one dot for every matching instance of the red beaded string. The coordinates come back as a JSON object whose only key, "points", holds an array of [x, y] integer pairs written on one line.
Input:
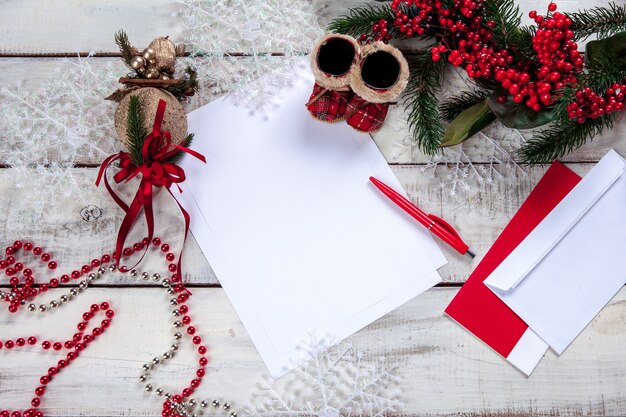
{"points": [[26, 289], [79, 342]]}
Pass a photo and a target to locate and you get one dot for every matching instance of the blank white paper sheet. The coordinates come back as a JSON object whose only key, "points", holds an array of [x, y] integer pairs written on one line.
{"points": [[296, 234]]}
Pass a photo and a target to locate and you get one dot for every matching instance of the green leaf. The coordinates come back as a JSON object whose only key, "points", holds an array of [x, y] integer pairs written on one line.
{"points": [[518, 116], [455, 105], [467, 124], [611, 49]]}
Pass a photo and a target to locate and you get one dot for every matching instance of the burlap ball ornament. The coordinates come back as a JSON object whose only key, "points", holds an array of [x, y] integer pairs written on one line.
{"points": [[174, 121], [165, 54]]}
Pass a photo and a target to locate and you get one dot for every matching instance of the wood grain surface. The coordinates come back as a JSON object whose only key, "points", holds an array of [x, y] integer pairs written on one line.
{"points": [[444, 370], [393, 139]]}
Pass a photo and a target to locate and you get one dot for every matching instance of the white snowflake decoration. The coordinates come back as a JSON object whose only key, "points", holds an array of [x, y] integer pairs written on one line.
{"points": [[456, 168], [46, 131], [221, 28], [336, 381], [215, 29]]}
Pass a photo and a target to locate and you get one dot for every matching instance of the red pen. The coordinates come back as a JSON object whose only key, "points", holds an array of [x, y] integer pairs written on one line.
{"points": [[434, 224]]}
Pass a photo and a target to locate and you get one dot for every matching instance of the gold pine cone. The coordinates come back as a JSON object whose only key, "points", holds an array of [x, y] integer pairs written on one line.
{"points": [[174, 121]]}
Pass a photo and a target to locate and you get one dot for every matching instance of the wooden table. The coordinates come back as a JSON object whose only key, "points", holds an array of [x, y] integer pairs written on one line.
{"points": [[444, 370]]}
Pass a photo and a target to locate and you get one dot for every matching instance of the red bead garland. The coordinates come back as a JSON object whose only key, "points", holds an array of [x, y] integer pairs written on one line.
{"points": [[79, 342], [21, 292]]}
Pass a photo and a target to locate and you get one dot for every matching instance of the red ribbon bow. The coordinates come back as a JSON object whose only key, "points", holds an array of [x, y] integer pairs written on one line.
{"points": [[156, 170]]}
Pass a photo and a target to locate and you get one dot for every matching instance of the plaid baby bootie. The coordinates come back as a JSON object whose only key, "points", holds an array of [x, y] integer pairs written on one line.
{"points": [[380, 78], [333, 59]]}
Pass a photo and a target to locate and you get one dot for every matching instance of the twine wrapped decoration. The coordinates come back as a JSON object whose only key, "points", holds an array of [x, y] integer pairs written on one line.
{"points": [[156, 170], [153, 138], [174, 121]]}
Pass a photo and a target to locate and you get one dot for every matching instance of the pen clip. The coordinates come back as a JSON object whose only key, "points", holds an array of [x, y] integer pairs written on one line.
{"points": [[445, 225]]}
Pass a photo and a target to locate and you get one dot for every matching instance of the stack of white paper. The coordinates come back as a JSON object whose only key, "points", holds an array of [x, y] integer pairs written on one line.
{"points": [[296, 234]]}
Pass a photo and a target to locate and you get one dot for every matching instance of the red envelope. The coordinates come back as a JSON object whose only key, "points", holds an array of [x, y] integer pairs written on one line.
{"points": [[479, 310]]}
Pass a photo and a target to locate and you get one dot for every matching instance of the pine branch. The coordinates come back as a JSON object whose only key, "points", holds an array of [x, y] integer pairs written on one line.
{"points": [[603, 21], [563, 137], [422, 103], [457, 104], [507, 18], [602, 75], [360, 19], [126, 49], [178, 155], [135, 130], [521, 41], [179, 90]]}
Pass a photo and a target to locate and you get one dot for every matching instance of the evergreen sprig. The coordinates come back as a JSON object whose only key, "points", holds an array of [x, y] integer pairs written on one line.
{"points": [[178, 90], [507, 18], [135, 129], [563, 137], [420, 98], [521, 41], [455, 105], [602, 21], [360, 19], [126, 49], [186, 143], [602, 75]]}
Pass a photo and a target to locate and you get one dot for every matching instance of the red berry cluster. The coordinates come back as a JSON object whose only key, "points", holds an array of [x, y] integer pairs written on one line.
{"points": [[465, 39], [557, 55], [589, 104], [429, 17], [534, 84], [380, 32]]}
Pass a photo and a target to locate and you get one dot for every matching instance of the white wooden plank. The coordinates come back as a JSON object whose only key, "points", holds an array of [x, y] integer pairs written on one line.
{"points": [[479, 215], [393, 139], [443, 369], [39, 26]]}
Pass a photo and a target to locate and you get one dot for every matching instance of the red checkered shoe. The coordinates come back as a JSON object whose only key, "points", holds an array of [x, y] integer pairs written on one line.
{"points": [[365, 116], [333, 59], [379, 79]]}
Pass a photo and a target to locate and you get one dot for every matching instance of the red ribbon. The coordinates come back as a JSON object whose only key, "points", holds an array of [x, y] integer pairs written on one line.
{"points": [[155, 171]]}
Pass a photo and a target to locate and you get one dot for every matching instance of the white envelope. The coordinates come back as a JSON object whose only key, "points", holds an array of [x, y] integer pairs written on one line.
{"points": [[297, 236], [573, 262]]}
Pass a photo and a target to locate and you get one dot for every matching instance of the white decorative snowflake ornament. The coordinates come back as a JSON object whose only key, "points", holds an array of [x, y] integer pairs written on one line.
{"points": [[336, 382]]}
